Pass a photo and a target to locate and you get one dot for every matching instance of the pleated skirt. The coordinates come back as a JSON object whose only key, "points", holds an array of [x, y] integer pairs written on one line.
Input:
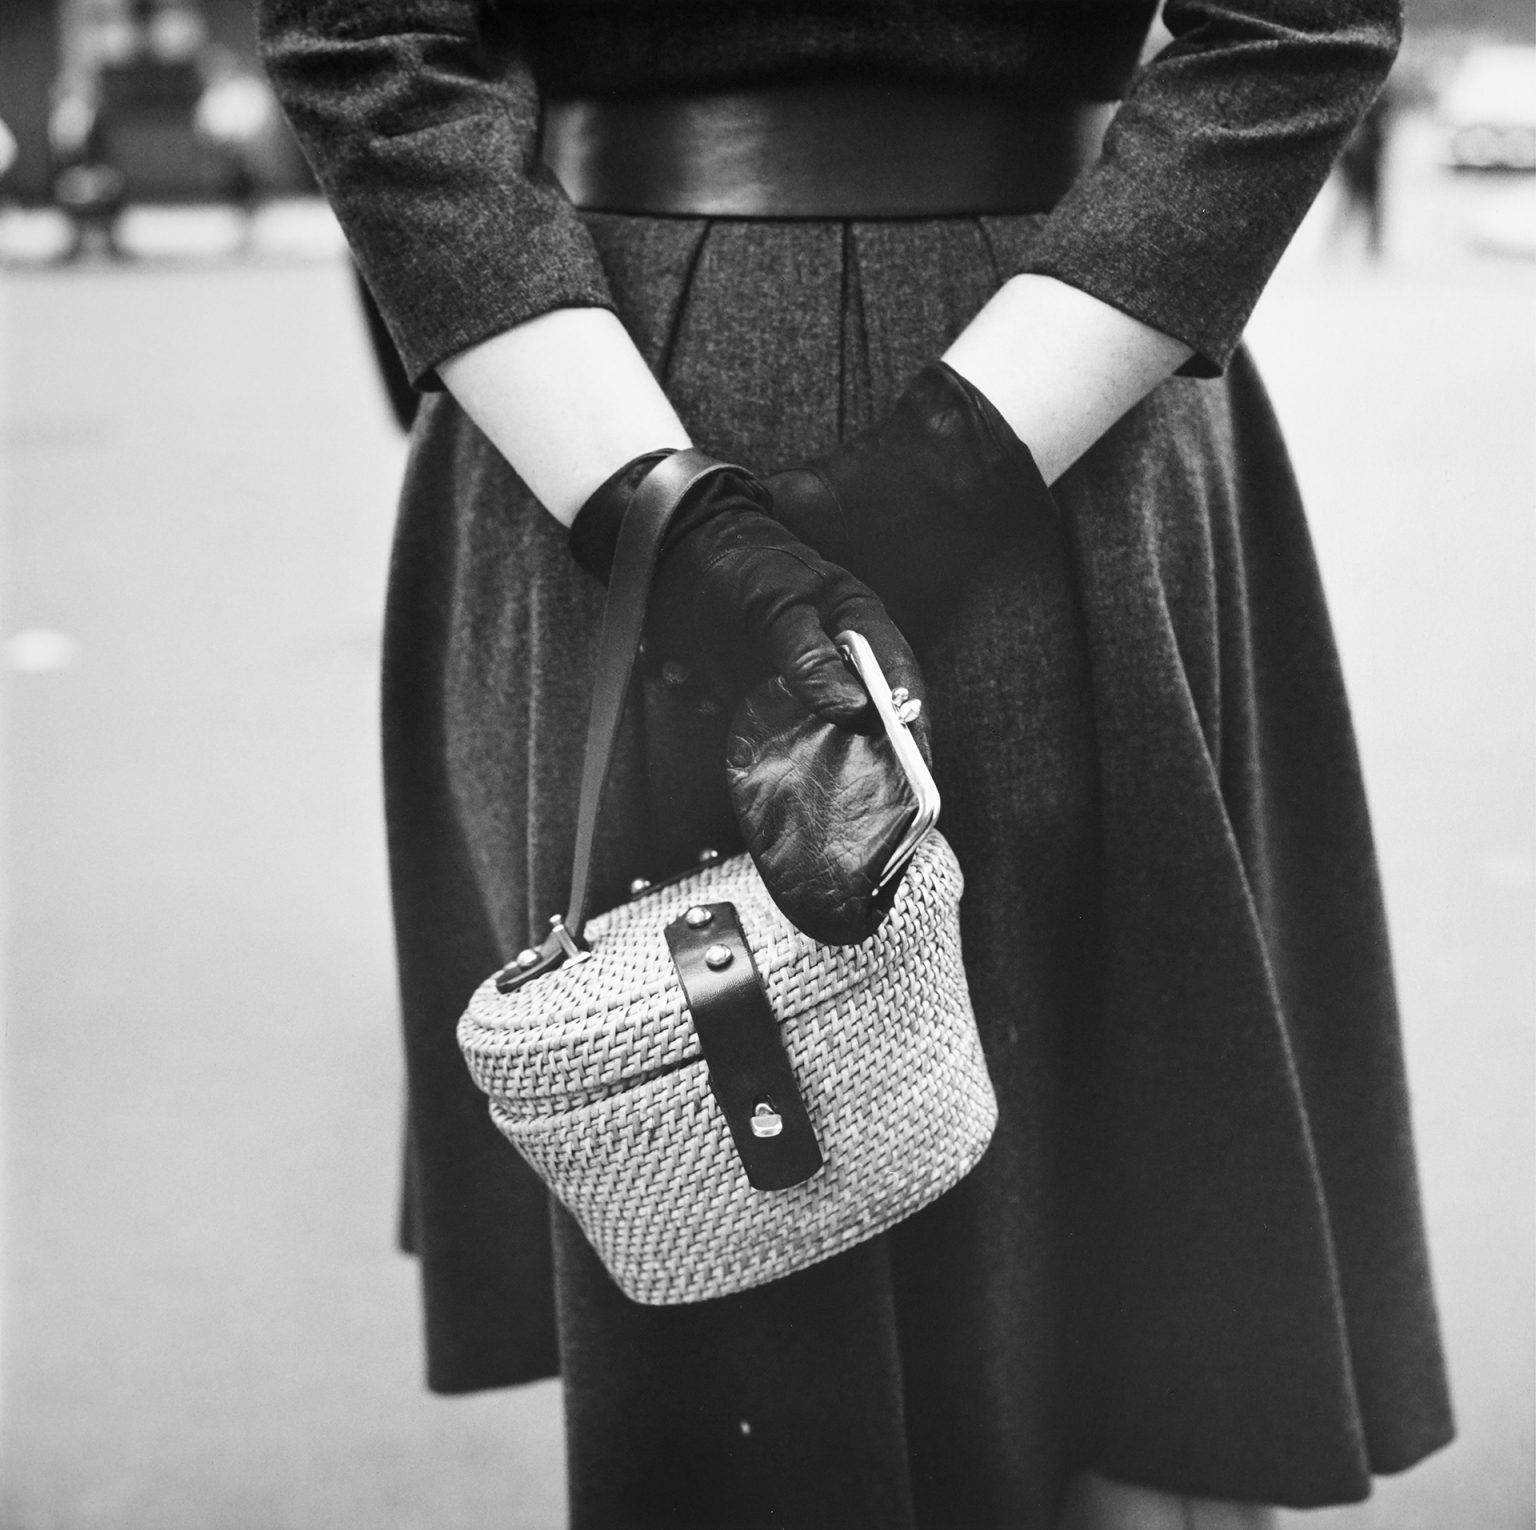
{"points": [[1193, 1256]]}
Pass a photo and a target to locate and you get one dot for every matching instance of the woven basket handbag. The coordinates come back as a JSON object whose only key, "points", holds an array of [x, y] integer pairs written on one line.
{"points": [[717, 1099]]}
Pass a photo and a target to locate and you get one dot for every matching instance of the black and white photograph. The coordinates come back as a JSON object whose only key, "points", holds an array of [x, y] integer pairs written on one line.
{"points": [[767, 765]]}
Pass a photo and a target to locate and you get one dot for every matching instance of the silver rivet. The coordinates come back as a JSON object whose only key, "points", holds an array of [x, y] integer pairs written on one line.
{"points": [[697, 918], [708, 857], [638, 886], [528, 957], [766, 1121], [716, 958], [907, 712], [674, 675]]}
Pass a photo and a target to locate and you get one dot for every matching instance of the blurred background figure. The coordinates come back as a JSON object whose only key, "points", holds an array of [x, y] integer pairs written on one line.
{"points": [[86, 185], [122, 125], [237, 118], [1361, 177]]}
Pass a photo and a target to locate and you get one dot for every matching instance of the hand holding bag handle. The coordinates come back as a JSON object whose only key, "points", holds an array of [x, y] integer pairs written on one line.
{"points": [[831, 815], [736, 591]]}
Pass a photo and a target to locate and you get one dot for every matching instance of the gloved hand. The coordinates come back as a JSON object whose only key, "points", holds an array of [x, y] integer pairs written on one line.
{"points": [[737, 597], [916, 504]]}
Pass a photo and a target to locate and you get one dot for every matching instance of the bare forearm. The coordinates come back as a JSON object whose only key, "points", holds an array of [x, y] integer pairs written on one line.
{"points": [[567, 399], [1060, 365]]}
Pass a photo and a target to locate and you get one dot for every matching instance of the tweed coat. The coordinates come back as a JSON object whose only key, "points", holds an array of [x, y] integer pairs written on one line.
{"points": [[1193, 1257]]}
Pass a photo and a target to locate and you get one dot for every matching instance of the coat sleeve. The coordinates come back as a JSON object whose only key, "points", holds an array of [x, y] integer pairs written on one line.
{"points": [[1221, 145], [425, 144]]}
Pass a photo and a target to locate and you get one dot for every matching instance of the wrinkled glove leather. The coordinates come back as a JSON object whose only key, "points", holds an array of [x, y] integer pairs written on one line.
{"points": [[737, 597], [917, 504], [821, 809]]}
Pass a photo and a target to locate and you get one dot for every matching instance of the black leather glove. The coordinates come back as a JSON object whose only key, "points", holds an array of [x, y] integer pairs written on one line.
{"points": [[915, 505], [738, 597]]}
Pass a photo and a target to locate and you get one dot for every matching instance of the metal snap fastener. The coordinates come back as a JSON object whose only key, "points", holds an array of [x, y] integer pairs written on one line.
{"points": [[527, 957], [717, 958], [696, 918], [638, 886], [766, 1121], [708, 857]]}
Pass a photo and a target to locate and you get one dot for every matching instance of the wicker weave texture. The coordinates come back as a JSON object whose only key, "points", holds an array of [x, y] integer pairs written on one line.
{"points": [[595, 1076]]}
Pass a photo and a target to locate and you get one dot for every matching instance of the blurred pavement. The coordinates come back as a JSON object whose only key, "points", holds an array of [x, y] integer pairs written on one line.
{"points": [[205, 1327]]}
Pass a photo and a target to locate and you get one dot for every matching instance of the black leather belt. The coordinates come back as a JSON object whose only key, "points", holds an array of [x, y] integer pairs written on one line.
{"points": [[840, 150]]}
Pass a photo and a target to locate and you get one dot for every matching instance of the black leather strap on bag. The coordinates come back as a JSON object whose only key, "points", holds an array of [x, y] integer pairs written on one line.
{"points": [[629, 591], [749, 1070]]}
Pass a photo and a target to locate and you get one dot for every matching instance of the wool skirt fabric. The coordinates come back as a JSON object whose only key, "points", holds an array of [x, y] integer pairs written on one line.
{"points": [[1193, 1256]]}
